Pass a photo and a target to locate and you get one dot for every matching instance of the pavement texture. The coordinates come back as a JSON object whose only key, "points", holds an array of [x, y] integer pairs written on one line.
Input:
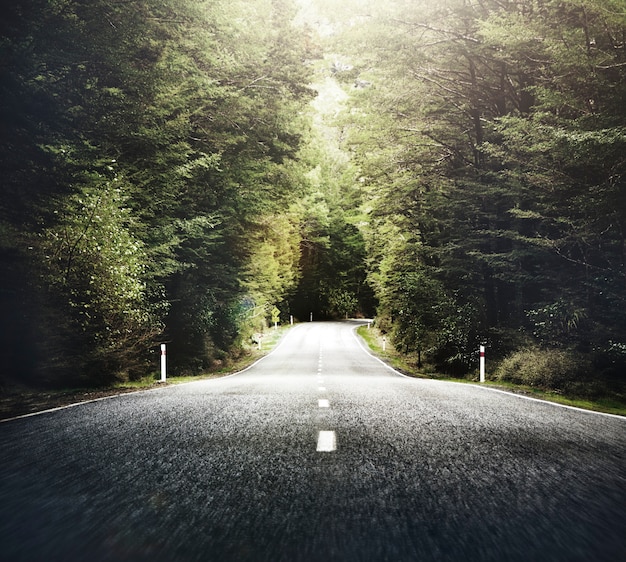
{"points": [[317, 453]]}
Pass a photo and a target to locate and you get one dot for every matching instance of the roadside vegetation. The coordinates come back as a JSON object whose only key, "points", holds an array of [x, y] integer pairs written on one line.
{"points": [[545, 378]]}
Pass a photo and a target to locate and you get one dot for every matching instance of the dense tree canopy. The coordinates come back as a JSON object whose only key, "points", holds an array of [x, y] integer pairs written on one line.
{"points": [[173, 169], [491, 138], [147, 153]]}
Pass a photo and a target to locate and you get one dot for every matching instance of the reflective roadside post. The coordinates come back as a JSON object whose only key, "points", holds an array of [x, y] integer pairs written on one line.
{"points": [[482, 363], [163, 363]]}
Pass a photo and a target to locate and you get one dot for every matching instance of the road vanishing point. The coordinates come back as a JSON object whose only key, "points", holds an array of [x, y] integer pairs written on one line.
{"points": [[319, 452]]}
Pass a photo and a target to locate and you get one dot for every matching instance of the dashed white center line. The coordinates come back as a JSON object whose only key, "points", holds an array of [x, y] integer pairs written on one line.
{"points": [[321, 388], [324, 403], [326, 442]]}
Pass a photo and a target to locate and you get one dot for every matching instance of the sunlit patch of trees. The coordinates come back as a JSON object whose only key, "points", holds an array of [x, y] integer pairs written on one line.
{"points": [[492, 141]]}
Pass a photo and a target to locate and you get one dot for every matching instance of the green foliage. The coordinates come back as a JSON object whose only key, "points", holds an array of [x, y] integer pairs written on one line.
{"points": [[273, 264], [333, 253], [92, 257], [548, 369], [332, 262], [490, 153], [146, 157], [553, 323], [342, 303]]}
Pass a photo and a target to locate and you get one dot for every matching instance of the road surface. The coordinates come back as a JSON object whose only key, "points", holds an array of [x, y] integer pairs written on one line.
{"points": [[317, 453]]}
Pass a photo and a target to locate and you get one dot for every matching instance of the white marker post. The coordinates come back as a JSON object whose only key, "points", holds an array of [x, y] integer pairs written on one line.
{"points": [[311, 317], [384, 343], [482, 363], [163, 363]]}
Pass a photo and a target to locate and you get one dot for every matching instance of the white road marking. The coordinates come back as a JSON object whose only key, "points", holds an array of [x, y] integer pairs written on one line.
{"points": [[321, 388], [326, 442], [324, 403]]}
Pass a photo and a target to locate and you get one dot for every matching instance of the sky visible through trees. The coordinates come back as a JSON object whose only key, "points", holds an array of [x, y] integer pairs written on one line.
{"points": [[174, 170]]}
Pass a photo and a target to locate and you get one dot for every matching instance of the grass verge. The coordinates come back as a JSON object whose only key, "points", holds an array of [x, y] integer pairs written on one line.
{"points": [[374, 340], [380, 346]]}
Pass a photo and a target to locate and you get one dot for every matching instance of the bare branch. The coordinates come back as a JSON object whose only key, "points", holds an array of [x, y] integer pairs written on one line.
{"points": [[609, 66], [454, 34]]}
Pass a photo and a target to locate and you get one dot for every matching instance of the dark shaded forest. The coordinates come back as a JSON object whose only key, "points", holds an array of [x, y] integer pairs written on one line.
{"points": [[172, 170]]}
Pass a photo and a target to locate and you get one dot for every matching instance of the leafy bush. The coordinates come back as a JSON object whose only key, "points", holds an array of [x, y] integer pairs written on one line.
{"points": [[550, 369]]}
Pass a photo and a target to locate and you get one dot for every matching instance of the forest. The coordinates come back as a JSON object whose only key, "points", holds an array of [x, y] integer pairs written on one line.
{"points": [[173, 170]]}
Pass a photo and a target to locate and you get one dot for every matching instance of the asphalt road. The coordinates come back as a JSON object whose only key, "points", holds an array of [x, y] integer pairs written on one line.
{"points": [[229, 469]]}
